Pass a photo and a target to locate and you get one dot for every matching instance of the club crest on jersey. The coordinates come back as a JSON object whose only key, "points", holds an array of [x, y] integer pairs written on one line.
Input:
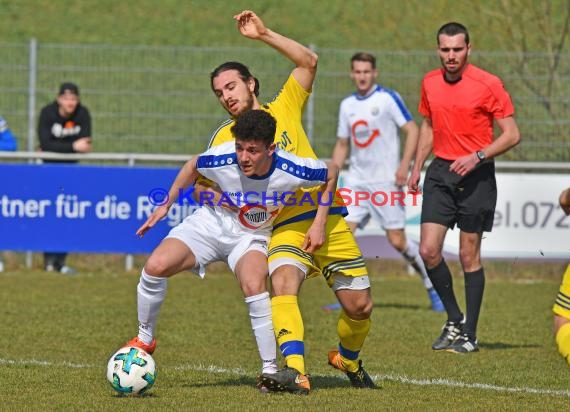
{"points": [[362, 135], [255, 216]]}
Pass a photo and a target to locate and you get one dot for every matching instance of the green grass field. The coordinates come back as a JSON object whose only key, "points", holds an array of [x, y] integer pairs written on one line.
{"points": [[58, 333]]}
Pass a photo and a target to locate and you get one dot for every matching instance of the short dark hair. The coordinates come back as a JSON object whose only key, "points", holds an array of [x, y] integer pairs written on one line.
{"points": [[68, 87], [241, 68], [255, 125], [363, 57], [451, 29]]}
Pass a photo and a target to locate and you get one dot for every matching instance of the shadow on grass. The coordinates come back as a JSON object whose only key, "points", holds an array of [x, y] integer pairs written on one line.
{"points": [[317, 382], [392, 305], [503, 346], [330, 382], [135, 395], [237, 381], [333, 307]]}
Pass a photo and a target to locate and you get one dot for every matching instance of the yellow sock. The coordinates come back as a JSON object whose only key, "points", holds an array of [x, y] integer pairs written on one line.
{"points": [[352, 334], [563, 341], [289, 330]]}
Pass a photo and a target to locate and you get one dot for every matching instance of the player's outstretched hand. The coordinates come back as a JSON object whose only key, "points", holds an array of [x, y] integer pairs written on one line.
{"points": [[159, 213], [250, 25], [314, 238]]}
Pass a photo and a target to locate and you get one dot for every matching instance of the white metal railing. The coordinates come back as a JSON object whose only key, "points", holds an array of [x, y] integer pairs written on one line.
{"points": [[130, 158], [133, 158]]}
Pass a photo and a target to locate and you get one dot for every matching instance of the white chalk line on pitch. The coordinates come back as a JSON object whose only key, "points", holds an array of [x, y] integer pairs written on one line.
{"points": [[378, 377]]}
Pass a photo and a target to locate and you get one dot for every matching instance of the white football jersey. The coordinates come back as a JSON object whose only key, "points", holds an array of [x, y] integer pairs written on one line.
{"points": [[260, 198], [372, 124]]}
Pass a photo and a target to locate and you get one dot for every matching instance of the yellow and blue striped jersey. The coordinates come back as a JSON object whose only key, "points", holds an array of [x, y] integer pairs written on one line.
{"points": [[287, 109]]}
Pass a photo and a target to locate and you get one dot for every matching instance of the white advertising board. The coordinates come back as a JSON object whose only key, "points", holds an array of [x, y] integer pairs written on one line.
{"points": [[528, 224]]}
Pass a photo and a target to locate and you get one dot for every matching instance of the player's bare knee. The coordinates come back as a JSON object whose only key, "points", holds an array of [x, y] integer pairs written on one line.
{"points": [[157, 265], [470, 261], [397, 239], [430, 255], [365, 310], [252, 280], [286, 280], [360, 312], [253, 287], [358, 308]]}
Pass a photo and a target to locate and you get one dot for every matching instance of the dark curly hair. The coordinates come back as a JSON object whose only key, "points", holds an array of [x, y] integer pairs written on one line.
{"points": [[255, 125]]}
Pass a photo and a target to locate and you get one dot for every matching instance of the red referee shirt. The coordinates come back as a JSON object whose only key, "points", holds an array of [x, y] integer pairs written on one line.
{"points": [[462, 113]]}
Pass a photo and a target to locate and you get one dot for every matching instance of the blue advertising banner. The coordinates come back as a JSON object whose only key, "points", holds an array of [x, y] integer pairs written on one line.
{"points": [[80, 208]]}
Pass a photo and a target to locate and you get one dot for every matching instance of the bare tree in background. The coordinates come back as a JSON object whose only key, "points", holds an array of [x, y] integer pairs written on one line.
{"points": [[534, 25]]}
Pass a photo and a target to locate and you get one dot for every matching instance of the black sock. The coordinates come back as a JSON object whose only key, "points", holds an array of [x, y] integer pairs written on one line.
{"points": [[474, 287], [440, 276]]}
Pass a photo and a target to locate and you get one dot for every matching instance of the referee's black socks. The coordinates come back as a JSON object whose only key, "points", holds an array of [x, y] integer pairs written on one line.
{"points": [[440, 276], [474, 287]]}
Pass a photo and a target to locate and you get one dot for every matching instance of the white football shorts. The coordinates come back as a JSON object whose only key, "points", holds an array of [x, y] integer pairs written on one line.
{"points": [[216, 235], [383, 202]]}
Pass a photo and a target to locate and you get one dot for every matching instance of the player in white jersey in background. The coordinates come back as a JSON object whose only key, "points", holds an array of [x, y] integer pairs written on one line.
{"points": [[369, 123]]}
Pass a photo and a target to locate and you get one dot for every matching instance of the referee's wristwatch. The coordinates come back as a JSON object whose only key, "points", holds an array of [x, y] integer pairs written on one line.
{"points": [[480, 155]]}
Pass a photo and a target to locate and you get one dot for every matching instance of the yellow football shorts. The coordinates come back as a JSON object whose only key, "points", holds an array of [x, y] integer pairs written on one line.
{"points": [[562, 304], [339, 254]]}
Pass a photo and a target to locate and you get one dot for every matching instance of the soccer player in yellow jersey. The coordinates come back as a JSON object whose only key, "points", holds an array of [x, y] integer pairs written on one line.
{"points": [[290, 263], [561, 307]]}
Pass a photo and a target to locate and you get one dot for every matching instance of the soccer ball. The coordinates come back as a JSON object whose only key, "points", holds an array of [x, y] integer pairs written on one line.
{"points": [[131, 371]]}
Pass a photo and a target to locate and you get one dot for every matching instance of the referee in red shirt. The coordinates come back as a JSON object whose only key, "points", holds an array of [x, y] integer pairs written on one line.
{"points": [[459, 103]]}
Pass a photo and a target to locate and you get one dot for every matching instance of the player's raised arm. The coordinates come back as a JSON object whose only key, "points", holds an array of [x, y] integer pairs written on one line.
{"points": [[251, 26]]}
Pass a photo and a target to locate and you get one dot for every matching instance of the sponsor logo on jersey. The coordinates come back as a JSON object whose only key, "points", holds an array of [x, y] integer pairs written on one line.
{"points": [[362, 135], [255, 216]]}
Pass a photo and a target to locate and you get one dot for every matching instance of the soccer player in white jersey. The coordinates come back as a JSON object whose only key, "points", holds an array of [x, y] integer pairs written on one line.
{"points": [[259, 179], [256, 181], [369, 123]]}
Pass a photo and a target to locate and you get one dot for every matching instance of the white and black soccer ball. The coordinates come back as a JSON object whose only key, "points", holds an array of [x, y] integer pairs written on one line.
{"points": [[131, 370]]}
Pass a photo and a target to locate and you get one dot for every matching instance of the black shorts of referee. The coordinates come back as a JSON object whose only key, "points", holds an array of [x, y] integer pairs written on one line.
{"points": [[468, 201]]}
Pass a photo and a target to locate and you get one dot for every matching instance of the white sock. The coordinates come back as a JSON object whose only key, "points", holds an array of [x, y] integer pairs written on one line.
{"points": [[412, 255], [151, 292], [262, 325]]}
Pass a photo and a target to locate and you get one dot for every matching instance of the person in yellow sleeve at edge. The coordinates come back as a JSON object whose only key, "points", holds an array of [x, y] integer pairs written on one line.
{"points": [[561, 306]]}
